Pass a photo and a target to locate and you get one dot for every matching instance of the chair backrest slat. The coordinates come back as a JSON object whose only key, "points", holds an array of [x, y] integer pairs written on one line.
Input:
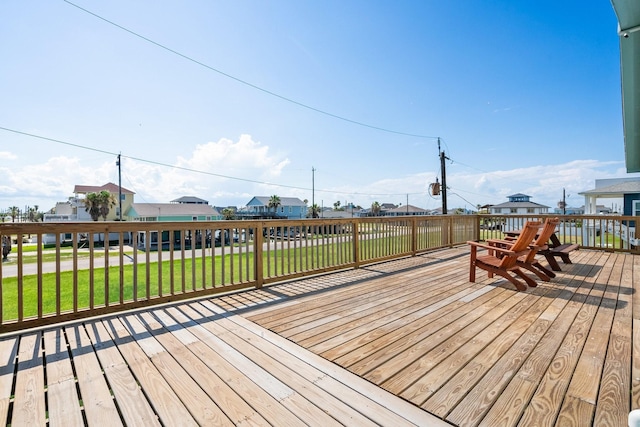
{"points": [[527, 235], [548, 229]]}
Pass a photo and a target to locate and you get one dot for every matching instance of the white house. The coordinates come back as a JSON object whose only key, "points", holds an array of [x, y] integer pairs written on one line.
{"points": [[519, 204], [627, 189]]}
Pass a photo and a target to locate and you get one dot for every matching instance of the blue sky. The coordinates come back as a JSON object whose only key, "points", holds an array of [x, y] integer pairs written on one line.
{"points": [[225, 100]]}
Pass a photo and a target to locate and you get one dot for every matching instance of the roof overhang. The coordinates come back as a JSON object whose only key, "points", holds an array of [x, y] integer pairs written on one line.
{"points": [[628, 13]]}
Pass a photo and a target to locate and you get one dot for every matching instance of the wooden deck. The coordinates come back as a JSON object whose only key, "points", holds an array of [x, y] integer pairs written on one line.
{"points": [[407, 342]]}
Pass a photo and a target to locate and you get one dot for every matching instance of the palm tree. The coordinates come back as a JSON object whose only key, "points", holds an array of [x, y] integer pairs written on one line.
{"points": [[92, 205], [14, 211], [228, 214], [274, 202], [375, 209], [34, 215], [99, 204], [107, 202], [336, 206], [314, 211]]}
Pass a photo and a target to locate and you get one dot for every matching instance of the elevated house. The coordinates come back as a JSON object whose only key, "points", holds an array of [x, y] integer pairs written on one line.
{"points": [[519, 204], [190, 200], [290, 207], [627, 189], [74, 208], [176, 212], [405, 210], [172, 212]]}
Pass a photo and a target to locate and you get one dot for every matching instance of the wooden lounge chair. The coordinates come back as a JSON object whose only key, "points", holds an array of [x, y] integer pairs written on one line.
{"points": [[529, 261], [503, 261]]}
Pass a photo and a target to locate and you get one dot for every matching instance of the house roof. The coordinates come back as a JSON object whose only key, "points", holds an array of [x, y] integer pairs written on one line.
{"points": [[519, 205], [628, 13], [110, 187], [615, 190], [190, 199], [172, 209], [407, 209]]}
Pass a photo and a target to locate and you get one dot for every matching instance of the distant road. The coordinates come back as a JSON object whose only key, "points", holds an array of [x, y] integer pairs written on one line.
{"points": [[10, 268]]}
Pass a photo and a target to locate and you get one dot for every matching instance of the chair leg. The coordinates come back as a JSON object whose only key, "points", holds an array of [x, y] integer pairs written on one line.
{"points": [[518, 284], [545, 270], [552, 262], [539, 273], [526, 278], [472, 265]]}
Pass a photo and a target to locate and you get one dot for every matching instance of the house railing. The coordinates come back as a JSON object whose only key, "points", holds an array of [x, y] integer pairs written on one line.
{"points": [[64, 271]]}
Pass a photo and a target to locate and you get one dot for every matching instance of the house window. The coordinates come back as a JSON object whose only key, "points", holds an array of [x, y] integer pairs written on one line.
{"points": [[635, 208], [194, 218], [282, 209], [530, 210], [513, 210]]}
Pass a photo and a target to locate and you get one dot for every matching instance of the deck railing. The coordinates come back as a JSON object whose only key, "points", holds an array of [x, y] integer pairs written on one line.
{"points": [[63, 271], [605, 232]]}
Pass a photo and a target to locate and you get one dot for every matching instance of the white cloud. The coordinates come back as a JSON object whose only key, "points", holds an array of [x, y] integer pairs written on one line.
{"points": [[6, 155], [211, 169]]}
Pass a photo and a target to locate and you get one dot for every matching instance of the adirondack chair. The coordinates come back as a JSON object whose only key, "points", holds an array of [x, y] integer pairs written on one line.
{"points": [[503, 261], [529, 261]]}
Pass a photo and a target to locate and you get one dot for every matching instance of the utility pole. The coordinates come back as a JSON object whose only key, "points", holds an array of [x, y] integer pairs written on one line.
{"points": [[313, 192], [444, 179], [119, 188]]}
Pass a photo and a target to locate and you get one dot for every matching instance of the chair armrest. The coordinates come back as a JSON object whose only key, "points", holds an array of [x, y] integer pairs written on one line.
{"points": [[491, 248]]}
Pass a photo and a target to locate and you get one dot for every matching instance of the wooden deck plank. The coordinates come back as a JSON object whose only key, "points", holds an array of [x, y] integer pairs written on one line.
{"points": [[296, 374], [614, 401], [29, 404], [380, 326], [547, 400], [379, 349], [496, 333], [178, 342], [97, 401], [396, 375], [8, 354], [200, 405], [165, 402], [585, 381], [277, 402], [63, 404], [377, 316], [132, 403], [514, 344], [394, 355], [503, 391], [343, 383], [635, 374]]}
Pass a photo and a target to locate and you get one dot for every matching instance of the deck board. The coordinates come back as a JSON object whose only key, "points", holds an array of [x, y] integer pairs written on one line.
{"points": [[405, 342], [64, 406], [30, 408]]}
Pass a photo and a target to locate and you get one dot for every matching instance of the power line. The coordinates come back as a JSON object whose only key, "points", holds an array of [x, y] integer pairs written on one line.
{"points": [[153, 162], [246, 83]]}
